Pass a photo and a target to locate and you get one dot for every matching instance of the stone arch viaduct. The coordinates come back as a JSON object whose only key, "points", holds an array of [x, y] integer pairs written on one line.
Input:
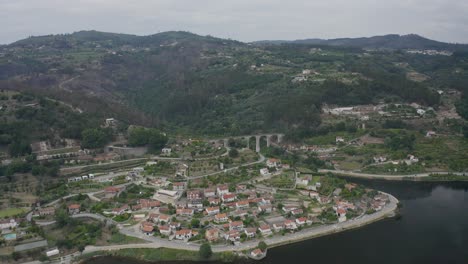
{"points": [[270, 138]]}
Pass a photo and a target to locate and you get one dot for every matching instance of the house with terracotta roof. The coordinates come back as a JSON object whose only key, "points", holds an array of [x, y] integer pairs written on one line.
{"points": [[164, 219], [229, 197], [46, 211], [74, 209], [265, 208], [278, 226], [111, 192], [212, 210], [232, 236], [290, 225], [301, 221], [241, 188], [265, 230], [214, 201], [164, 230], [273, 163], [236, 225], [174, 225], [120, 210], [183, 234], [256, 253], [209, 193], [194, 195], [147, 228], [178, 186], [242, 204], [222, 189], [289, 208], [250, 232], [221, 218], [298, 211], [184, 211]]}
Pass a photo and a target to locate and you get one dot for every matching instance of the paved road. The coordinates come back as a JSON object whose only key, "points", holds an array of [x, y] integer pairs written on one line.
{"points": [[388, 177], [262, 159]]}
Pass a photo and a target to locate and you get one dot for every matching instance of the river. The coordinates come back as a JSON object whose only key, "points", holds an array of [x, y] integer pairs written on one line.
{"points": [[432, 228]]}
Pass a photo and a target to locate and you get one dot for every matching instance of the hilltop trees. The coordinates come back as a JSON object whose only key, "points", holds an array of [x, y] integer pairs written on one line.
{"points": [[95, 138], [205, 251], [151, 137]]}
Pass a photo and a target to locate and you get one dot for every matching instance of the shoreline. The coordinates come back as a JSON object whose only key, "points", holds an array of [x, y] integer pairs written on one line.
{"points": [[420, 177], [276, 241]]}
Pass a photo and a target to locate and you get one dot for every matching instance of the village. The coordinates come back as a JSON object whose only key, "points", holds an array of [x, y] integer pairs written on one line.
{"points": [[232, 193], [162, 201]]}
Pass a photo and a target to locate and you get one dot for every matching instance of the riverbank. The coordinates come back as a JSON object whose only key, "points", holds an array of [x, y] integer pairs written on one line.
{"points": [[275, 241], [158, 255], [427, 176]]}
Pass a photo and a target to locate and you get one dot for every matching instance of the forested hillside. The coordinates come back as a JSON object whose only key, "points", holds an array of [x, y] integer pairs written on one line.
{"points": [[204, 85]]}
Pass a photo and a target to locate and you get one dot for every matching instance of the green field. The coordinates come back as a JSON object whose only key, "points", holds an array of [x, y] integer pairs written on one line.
{"points": [[162, 254], [12, 212]]}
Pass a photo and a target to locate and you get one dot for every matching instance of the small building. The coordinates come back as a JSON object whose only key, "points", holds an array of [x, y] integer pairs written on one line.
{"points": [[273, 163], [8, 223], [222, 189], [111, 192], [52, 252], [221, 218], [250, 232], [164, 230], [265, 208], [229, 197], [212, 210], [178, 186], [265, 230], [166, 151], [46, 211], [242, 204], [339, 140], [183, 234], [236, 225], [209, 193], [194, 195], [74, 209], [290, 225], [430, 134], [257, 253], [264, 172]]}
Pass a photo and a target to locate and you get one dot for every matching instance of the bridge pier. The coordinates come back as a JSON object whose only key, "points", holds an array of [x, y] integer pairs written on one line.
{"points": [[268, 138], [257, 143], [280, 138]]}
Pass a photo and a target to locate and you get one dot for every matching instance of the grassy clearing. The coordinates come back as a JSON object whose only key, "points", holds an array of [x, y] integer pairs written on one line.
{"points": [[12, 212], [162, 254]]}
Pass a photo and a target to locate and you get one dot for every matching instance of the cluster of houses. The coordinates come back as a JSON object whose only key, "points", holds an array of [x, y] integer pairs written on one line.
{"points": [[224, 209], [273, 165]]}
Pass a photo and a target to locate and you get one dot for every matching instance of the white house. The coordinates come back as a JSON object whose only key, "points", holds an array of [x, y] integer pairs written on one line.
{"points": [[273, 163], [265, 230], [264, 172], [166, 151]]}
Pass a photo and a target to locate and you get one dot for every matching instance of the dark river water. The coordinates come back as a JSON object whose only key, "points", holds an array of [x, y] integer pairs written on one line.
{"points": [[432, 228]]}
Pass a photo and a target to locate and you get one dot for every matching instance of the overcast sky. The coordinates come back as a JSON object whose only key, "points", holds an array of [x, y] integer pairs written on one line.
{"points": [[245, 20]]}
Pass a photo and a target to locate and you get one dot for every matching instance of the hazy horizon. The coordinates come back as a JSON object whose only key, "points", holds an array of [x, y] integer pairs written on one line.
{"points": [[242, 20]]}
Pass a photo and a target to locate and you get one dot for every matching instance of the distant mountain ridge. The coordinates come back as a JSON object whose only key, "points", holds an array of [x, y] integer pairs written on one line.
{"points": [[391, 41]]}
